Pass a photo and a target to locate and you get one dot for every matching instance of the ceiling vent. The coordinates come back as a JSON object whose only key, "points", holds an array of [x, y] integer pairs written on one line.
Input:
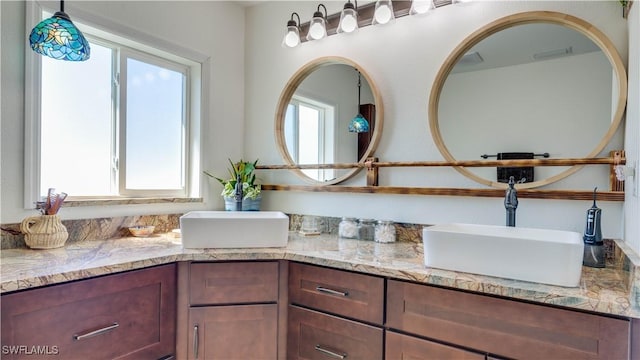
{"points": [[544, 55], [470, 59]]}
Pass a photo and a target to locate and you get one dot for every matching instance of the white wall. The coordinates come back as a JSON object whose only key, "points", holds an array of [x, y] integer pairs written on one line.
{"points": [[200, 26], [632, 143], [403, 59]]}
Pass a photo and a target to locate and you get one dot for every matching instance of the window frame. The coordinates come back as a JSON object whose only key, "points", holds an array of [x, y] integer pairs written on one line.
{"points": [[326, 127], [138, 42], [124, 54]]}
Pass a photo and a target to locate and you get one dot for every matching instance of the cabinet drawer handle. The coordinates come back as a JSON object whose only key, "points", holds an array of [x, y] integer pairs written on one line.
{"points": [[330, 353], [96, 332], [331, 291], [195, 342]]}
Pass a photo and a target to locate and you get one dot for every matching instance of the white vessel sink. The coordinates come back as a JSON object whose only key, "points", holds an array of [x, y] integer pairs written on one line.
{"points": [[234, 229], [544, 256]]}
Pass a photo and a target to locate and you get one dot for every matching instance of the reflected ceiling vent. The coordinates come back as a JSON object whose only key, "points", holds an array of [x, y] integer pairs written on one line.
{"points": [[470, 59], [544, 55]]}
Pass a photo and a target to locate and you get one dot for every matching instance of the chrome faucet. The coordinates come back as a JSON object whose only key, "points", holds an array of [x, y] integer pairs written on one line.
{"points": [[511, 202], [238, 194]]}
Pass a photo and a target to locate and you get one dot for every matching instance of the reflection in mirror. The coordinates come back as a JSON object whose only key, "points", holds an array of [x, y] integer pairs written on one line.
{"points": [[316, 117], [529, 88], [308, 128]]}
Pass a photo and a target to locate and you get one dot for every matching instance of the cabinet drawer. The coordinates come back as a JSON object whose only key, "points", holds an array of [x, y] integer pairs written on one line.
{"points": [[233, 283], [314, 335], [504, 327], [401, 346], [128, 315], [339, 292]]}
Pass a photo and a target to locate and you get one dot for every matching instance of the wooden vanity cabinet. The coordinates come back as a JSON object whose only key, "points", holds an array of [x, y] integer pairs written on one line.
{"points": [[128, 315], [334, 314], [503, 327], [232, 310]]}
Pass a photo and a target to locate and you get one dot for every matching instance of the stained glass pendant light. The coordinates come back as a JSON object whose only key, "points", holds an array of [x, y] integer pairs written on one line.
{"points": [[359, 124], [59, 38]]}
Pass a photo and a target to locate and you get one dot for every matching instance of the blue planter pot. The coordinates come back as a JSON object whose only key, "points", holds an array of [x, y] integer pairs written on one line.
{"points": [[247, 204]]}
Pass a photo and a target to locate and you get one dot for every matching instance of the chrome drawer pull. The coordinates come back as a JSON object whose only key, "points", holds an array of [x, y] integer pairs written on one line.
{"points": [[330, 353], [332, 292], [96, 332], [195, 342]]}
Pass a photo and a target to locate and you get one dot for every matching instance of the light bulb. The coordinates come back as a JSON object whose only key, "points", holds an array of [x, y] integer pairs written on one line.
{"points": [[349, 23], [421, 6], [316, 31], [292, 39], [383, 14]]}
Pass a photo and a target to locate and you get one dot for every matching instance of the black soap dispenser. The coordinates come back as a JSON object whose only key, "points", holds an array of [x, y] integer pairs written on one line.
{"points": [[593, 244]]}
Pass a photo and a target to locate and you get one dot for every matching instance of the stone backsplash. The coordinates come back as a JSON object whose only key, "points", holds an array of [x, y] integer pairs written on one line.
{"points": [[116, 227], [95, 229]]}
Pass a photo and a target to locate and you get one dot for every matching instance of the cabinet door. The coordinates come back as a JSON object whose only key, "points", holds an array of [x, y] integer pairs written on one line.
{"points": [[317, 336], [407, 347], [233, 332], [505, 327], [339, 292], [128, 315]]}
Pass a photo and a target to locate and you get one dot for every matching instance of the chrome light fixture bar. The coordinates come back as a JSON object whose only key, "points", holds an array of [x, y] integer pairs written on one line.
{"points": [[365, 15]]}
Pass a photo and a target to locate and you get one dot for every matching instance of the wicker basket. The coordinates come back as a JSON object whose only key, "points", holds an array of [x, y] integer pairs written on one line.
{"points": [[44, 232]]}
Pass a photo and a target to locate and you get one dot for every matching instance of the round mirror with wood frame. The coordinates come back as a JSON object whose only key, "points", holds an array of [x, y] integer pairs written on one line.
{"points": [[618, 87], [362, 145]]}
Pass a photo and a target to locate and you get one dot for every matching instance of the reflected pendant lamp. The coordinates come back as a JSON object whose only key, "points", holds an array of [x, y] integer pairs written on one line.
{"points": [[359, 124], [58, 38]]}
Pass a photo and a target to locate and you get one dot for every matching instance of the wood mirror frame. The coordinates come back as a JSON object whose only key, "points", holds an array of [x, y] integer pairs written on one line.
{"points": [[285, 98], [569, 21]]}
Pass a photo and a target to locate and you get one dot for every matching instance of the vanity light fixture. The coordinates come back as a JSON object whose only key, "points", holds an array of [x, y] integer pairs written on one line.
{"points": [[318, 25], [292, 35], [359, 124], [352, 17], [421, 7], [59, 38], [383, 12], [348, 18]]}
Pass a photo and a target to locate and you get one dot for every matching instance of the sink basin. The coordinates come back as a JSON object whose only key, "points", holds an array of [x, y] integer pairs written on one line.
{"points": [[538, 255], [234, 229]]}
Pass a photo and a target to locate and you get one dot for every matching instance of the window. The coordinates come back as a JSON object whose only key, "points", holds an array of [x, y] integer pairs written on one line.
{"points": [[310, 125], [124, 123]]}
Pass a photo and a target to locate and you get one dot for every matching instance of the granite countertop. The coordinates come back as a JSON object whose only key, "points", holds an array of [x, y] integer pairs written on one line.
{"points": [[614, 290]]}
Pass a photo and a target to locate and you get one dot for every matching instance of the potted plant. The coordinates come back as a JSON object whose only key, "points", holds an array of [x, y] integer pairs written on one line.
{"points": [[250, 190]]}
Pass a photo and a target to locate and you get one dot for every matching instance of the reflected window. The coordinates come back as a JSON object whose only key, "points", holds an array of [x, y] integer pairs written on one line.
{"points": [[310, 126]]}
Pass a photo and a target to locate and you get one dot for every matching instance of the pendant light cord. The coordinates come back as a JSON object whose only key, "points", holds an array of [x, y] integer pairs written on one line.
{"points": [[61, 5], [359, 85]]}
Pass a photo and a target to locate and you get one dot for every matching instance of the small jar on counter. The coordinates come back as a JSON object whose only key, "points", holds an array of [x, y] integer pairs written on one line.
{"points": [[385, 231], [348, 228], [366, 229]]}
